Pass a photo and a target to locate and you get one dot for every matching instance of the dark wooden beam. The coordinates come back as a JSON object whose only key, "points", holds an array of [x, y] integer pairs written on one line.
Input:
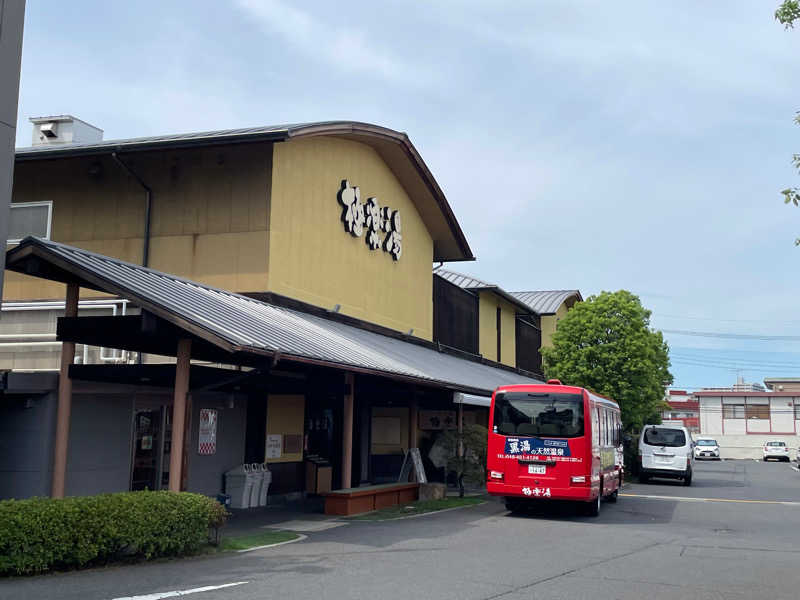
{"points": [[139, 333]]}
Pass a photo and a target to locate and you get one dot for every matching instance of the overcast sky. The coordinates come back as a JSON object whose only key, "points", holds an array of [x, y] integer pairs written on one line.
{"points": [[591, 145]]}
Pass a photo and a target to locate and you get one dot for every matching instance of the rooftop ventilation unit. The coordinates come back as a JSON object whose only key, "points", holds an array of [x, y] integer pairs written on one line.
{"points": [[63, 129]]}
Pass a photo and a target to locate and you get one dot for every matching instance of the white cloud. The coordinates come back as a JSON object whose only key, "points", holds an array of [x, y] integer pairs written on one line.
{"points": [[341, 45]]}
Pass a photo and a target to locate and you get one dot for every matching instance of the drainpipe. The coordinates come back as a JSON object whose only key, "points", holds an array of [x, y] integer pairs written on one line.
{"points": [[148, 194], [147, 207]]}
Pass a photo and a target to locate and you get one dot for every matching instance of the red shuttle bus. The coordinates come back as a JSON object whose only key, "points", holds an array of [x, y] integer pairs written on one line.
{"points": [[553, 442]]}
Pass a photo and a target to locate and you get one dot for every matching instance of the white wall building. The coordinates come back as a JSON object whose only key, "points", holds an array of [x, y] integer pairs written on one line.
{"points": [[742, 421]]}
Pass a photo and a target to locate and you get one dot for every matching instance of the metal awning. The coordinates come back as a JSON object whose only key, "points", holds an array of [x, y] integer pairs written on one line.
{"points": [[472, 400], [237, 325]]}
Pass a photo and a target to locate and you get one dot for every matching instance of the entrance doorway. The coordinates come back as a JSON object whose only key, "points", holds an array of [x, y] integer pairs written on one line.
{"points": [[152, 443], [324, 432]]}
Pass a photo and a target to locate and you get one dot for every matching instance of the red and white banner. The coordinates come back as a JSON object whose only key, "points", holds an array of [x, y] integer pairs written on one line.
{"points": [[208, 431]]}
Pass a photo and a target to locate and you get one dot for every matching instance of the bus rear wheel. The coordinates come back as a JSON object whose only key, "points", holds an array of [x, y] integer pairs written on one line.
{"points": [[513, 504], [593, 507]]}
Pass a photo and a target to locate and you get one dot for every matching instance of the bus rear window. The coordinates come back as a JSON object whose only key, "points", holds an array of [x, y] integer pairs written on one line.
{"points": [[552, 415], [661, 436]]}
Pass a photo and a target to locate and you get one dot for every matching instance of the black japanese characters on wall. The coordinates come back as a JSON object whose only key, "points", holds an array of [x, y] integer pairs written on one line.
{"points": [[371, 219]]}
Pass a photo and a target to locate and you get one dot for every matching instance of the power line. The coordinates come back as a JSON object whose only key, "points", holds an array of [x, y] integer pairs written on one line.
{"points": [[662, 315], [736, 364], [733, 336], [741, 361], [733, 359]]}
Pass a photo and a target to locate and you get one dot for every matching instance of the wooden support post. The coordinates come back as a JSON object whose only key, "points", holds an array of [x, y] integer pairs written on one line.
{"points": [[179, 415], [64, 400], [364, 426], [187, 444], [347, 431], [460, 429], [413, 411]]}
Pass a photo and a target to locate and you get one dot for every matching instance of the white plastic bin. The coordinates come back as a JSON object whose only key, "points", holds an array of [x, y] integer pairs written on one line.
{"points": [[238, 485], [257, 477], [262, 500]]}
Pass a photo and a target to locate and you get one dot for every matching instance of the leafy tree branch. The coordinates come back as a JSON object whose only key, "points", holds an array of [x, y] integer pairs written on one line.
{"points": [[787, 13], [605, 344]]}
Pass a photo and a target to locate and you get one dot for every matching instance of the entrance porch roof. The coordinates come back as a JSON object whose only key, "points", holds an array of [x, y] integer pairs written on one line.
{"points": [[240, 327]]}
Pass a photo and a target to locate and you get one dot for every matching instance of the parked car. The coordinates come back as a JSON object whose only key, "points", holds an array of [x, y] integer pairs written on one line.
{"points": [[776, 449], [666, 451], [707, 448]]}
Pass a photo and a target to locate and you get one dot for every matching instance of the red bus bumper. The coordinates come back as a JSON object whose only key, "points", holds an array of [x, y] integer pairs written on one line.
{"points": [[580, 493]]}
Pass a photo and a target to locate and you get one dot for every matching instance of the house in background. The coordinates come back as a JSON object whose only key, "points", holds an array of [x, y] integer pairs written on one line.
{"points": [[683, 410], [742, 420], [783, 384]]}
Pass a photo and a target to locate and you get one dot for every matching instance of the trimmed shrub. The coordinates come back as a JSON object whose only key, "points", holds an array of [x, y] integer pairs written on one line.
{"points": [[40, 534]]}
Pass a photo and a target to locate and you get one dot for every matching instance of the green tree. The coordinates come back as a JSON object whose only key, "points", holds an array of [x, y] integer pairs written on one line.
{"points": [[606, 345], [786, 14]]}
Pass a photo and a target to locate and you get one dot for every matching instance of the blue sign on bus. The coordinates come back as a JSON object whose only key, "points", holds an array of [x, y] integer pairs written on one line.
{"points": [[532, 445]]}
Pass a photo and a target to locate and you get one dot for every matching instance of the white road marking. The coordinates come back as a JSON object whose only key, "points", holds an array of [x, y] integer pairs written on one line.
{"points": [[306, 526], [173, 594], [687, 499], [300, 537]]}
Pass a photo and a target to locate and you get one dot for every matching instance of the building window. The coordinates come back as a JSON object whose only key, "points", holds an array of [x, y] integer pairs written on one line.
{"points": [[29, 218], [733, 411], [797, 411], [757, 411]]}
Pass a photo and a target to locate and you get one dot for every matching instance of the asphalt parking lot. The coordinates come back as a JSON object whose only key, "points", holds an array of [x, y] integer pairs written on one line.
{"points": [[735, 533]]}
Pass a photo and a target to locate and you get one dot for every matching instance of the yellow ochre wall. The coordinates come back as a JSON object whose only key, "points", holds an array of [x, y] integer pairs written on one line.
{"points": [[550, 323], [487, 334], [209, 223], [312, 257], [286, 416]]}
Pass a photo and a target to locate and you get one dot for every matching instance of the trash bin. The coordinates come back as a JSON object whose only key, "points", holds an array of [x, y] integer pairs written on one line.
{"points": [[262, 500], [318, 475], [257, 475], [238, 484]]}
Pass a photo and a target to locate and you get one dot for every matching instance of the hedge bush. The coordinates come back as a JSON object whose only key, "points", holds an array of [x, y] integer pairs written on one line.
{"points": [[40, 534]]}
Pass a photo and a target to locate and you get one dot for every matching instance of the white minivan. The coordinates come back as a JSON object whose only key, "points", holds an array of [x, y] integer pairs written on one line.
{"points": [[666, 451]]}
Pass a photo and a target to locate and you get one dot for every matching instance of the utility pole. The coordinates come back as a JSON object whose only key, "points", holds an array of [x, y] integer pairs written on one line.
{"points": [[12, 18]]}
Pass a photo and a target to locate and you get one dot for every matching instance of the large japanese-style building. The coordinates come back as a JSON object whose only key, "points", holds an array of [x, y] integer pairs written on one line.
{"points": [[178, 305]]}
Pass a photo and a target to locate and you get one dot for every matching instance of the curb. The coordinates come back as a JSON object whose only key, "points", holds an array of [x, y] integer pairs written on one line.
{"points": [[300, 537]]}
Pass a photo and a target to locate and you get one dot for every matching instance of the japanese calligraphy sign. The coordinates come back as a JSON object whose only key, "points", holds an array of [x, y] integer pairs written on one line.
{"points": [[443, 419], [538, 492], [381, 226], [536, 446], [208, 431]]}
